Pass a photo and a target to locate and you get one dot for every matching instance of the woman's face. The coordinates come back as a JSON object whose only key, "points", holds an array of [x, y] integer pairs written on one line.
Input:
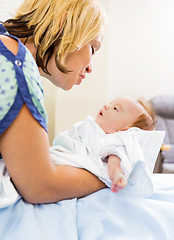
{"points": [[78, 62]]}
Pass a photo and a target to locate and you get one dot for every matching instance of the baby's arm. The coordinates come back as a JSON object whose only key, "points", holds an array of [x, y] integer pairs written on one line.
{"points": [[116, 174]]}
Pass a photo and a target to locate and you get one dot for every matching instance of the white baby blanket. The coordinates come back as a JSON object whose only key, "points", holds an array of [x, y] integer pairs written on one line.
{"points": [[8, 194], [86, 145]]}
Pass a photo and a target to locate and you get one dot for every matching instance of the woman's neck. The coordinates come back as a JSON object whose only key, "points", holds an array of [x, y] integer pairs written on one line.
{"points": [[29, 43]]}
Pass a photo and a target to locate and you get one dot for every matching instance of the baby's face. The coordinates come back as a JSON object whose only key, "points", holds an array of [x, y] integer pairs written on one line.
{"points": [[119, 114]]}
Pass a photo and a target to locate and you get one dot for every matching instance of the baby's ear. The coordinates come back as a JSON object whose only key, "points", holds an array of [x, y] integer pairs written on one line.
{"points": [[124, 129]]}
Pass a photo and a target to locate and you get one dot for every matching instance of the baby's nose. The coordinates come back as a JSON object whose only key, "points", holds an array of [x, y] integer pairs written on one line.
{"points": [[106, 107]]}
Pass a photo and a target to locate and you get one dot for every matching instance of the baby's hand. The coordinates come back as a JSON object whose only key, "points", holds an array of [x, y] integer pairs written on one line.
{"points": [[118, 182]]}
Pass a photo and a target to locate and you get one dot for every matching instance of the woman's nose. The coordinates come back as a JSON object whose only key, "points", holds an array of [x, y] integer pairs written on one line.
{"points": [[88, 68]]}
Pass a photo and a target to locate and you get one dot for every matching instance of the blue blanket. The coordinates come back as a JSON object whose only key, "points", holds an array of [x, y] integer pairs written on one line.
{"points": [[102, 215]]}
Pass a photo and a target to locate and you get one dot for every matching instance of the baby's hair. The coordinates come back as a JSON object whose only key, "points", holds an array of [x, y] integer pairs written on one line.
{"points": [[65, 24], [146, 121]]}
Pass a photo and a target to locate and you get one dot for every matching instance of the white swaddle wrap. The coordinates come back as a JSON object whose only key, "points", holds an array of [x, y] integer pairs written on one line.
{"points": [[87, 146], [8, 194]]}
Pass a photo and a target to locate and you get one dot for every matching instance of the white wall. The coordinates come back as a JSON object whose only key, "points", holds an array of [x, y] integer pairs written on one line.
{"points": [[136, 58], [7, 8], [141, 47]]}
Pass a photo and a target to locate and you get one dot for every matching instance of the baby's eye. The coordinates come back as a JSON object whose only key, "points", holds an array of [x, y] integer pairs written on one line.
{"points": [[93, 51], [116, 109]]}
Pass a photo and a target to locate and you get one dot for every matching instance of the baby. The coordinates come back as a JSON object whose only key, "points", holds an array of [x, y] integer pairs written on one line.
{"points": [[91, 137], [119, 115]]}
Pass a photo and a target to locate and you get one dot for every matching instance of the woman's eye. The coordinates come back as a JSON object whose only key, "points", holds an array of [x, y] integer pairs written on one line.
{"points": [[93, 51], [115, 108]]}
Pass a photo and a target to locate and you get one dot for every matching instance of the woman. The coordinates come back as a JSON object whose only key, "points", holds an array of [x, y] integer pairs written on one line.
{"points": [[61, 36]]}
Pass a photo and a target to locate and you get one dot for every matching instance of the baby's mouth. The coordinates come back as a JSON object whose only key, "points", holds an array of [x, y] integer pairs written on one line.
{"points": [[100, 113]]}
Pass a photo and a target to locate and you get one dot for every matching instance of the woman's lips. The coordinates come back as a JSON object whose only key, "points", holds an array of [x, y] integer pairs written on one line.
{"points": [[82, 76]]}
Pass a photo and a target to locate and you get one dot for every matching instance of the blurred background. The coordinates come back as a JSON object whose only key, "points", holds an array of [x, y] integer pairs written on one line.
{"points": [[136, 58]]}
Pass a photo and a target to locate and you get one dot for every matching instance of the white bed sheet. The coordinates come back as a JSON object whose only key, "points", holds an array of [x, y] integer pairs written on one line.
{"points": [[102, 215]]}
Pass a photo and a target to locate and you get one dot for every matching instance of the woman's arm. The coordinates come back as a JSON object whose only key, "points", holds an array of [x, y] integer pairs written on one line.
{"points": [[25, 149]]}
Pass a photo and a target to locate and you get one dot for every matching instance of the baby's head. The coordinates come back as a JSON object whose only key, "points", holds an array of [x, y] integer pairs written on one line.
{"points": [[125, 112], [147, 120]]}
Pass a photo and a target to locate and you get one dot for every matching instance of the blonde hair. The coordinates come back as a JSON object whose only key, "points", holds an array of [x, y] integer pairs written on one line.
{"points": [[67, 24], [146, 121]]}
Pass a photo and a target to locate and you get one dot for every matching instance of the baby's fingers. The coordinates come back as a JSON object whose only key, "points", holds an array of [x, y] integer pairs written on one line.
{"points": [[119, 179], [122, 182], [115, 189], [118, 183]]}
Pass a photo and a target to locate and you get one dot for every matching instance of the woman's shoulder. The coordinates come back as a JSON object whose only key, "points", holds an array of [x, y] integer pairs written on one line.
{"points": [[10, 43], [19, 82]]}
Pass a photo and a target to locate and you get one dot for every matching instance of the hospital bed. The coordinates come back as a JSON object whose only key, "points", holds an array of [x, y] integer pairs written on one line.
{"points": [[102, 215]]}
